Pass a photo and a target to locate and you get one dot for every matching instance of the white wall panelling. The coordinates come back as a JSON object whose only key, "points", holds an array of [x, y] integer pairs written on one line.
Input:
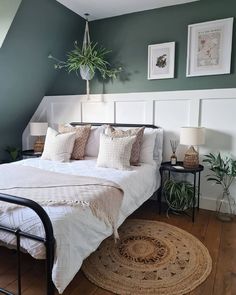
{"points": [[213, 109], [171, 115], [98, 111]]}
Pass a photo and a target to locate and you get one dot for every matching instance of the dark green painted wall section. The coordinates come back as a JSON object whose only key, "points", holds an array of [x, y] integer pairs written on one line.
{"points": [[26, 74], [129, 36]]}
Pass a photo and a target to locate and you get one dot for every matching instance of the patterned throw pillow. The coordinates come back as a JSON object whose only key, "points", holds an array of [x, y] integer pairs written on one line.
{"points": [[115, 152], [82, 134], [58, 147], [138, 132]]}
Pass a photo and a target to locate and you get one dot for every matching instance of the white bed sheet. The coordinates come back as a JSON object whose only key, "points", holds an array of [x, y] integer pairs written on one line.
{"points": [[77, 231]]}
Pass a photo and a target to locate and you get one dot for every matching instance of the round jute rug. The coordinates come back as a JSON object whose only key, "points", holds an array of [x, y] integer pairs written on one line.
{"points": [[150, 258]]}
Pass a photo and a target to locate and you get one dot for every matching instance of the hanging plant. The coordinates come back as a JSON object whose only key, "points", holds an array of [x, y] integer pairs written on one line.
{"points": [[87, 60]]}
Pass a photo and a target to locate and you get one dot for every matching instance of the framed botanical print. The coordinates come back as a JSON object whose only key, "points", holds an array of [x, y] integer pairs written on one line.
{"points": [[161, 61], [210, 48]]}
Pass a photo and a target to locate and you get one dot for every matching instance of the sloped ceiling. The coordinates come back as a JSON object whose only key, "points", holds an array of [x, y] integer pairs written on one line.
{"points": [[99, 9], [26, 74]]}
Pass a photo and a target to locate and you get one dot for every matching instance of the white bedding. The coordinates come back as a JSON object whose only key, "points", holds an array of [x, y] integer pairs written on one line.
{"points": [[78, 233]]}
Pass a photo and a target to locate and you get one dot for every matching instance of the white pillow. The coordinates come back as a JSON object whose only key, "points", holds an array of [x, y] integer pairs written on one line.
{"points": [[151, 149], [92, 147], [115, 152], [158, 148], [58, 146]]}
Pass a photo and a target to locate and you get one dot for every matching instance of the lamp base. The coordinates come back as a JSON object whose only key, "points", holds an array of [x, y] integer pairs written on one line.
{"points": [[39, 145], [191, 158]]}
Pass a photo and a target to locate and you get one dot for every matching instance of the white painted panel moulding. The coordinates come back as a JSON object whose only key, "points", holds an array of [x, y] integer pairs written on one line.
{"points": [[171, 115], [139, 112], [65, 112], [219, 116], [99, 112], [213, 109]]}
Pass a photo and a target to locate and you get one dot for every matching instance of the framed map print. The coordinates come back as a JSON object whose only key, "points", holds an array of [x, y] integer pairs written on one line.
{"points": [[161, 61], [210, 48]]}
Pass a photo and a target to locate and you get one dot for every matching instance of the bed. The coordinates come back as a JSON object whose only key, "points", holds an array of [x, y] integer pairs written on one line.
{"points": [[75, 230]]}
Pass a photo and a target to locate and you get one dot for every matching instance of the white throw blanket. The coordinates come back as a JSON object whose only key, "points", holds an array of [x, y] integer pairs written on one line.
{"points": [[50, 188]]}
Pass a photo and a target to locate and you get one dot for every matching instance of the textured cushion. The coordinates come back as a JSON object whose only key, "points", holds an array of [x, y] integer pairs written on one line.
{"points": [[81, 138], [138, 132], [115, 152], [92, 147], [58, 147]]}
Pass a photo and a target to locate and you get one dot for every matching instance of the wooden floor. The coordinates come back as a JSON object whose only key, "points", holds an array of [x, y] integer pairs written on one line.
{"points": [[219, 238]]}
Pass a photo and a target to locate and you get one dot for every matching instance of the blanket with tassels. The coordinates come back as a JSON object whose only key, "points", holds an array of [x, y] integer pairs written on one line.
{"points": [[48, 188]]}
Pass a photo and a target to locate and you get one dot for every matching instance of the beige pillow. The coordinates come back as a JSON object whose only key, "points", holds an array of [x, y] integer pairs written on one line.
{"points": [[81, 138], [138, 132], [58, 147], [115, 152]]}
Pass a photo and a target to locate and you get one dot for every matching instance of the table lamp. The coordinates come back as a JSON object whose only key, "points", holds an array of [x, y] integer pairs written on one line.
{"points": [[38, 129], [192, 136]]}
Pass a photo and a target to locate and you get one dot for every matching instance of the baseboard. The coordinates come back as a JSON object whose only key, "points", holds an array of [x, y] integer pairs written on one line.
{"points": [[207, 203]]}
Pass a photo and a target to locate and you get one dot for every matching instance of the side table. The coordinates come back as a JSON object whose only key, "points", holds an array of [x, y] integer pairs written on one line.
{"points": [[166, 166], [30, 154]]}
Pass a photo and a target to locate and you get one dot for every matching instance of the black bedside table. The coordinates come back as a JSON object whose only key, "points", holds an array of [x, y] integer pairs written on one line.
{"points": [[166, 166], [30, 154]]}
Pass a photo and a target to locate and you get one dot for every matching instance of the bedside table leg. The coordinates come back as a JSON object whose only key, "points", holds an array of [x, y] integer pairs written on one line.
{"points": [[194, 197], [198, 192], [160, 193]]}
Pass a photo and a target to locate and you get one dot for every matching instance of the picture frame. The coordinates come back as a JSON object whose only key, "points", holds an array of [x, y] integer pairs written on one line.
{"points": [[161, 61], [210, 48]]}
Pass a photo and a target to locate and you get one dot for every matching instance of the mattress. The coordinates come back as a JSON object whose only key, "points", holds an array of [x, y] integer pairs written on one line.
{"points": [[77, 231]]}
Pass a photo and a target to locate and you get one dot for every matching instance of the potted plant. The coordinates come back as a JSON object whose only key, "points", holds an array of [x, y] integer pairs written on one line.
{"points": [[13, 152], [86, 61], [223, 173], [179, 195]]}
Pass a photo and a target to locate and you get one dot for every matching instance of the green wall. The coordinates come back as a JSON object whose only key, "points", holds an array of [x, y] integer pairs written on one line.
{"points": [[26, 74], [44, 26], [129, 36]]}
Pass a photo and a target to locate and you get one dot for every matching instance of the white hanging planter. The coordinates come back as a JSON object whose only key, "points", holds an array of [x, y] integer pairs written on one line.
{"points": [[85, 73]]}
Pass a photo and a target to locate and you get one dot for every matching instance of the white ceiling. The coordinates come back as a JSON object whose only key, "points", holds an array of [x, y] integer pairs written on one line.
{"points": [[107, 8]]}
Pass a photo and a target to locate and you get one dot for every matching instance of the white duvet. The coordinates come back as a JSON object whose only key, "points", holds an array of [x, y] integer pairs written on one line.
{"points": [[77, 232]]}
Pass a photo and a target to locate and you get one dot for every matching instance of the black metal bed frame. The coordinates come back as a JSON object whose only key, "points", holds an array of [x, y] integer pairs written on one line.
{"points": [[48, 240]]}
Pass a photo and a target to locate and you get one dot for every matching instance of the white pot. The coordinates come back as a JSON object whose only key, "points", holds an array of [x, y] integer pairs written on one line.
{"points": [[85, 73]]}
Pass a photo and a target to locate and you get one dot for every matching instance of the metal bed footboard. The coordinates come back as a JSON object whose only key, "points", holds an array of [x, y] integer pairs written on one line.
{"points": [[48, 240]]}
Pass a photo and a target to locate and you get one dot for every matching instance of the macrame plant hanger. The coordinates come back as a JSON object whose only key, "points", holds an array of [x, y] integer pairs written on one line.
{"points": [[86, 42]]}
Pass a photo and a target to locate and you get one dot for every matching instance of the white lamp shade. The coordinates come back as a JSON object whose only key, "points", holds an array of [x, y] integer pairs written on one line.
{"points": [[38, 128], [192, 135]]}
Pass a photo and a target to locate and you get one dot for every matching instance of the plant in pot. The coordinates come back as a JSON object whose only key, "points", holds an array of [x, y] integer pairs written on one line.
{"points": [[179, 195], [13, 152], [223, 173], [87, 60]]}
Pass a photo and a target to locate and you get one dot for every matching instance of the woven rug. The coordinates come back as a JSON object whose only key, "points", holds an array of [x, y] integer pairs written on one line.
{"points": [[150, 258]]}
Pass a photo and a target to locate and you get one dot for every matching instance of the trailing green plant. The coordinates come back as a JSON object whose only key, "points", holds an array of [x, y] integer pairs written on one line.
{"points": [[92, 56], [179, 194], [13, 152], [223, 170]]}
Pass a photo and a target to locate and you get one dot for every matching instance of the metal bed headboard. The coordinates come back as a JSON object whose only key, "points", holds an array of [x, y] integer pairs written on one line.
{"points": [[48, 240], [115, 125]]}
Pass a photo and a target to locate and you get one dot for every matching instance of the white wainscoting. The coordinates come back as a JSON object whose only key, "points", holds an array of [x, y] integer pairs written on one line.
{"points": [[213, 109]]}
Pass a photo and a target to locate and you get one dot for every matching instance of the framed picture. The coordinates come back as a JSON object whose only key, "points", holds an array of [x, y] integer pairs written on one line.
{"points": [[161, 61], [210, 48]]}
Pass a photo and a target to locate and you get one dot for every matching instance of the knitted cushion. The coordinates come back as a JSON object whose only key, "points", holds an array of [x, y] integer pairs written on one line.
{"points": [[81, 137]]}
